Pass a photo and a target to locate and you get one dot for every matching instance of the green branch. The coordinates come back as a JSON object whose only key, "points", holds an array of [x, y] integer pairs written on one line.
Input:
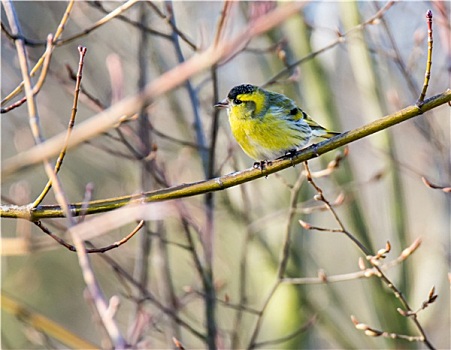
{"points": [[230, 180]]}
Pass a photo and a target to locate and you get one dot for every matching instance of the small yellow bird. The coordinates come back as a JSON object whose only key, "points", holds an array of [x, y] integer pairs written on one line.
{"points": [[268, 125]]}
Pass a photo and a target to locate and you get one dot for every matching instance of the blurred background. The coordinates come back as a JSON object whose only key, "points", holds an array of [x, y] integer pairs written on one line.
{"points": [[361, 71]]}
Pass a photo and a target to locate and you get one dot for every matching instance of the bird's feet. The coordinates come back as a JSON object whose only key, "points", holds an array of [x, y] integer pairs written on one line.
{"points": [[289, 154], [315, 149], [262, 164]]}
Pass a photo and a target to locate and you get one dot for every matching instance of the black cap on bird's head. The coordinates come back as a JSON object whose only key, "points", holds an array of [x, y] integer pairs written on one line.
{"points": [[241, 89], [236, 91]]}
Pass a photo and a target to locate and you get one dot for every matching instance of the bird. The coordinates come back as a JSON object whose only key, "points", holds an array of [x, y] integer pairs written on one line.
{"points": [[268, 125]]}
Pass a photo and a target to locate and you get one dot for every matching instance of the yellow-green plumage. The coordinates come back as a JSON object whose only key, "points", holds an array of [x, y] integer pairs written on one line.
{"points": [[266, 124]]}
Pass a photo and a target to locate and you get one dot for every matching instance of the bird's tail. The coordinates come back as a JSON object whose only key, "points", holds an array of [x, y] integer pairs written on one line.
{"points": [[318, 130], [327, 134]]}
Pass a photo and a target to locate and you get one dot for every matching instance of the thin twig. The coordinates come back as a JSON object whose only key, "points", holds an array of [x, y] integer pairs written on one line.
{"points": [[120, 242], [41, 60], [341, 38], [209, 235], [99, 5], [301, 329], [89, 188], [397, 57], [97, 295], [37, 87], [72, 248], [227, 304], [225, 14], [187, 223], [33, 115], [27, 42], [104, 20], [175, 29], [214, 127], [283, 261], [373, 260], [60, 241], [427, 74], [149, 296], [365, 273], [165, 280], [373, 332], [82, 51], [176, 140], [243, 272], [426, 128], [194, 100], [97, 104], [127, 144], [333, 212], [178, 344], [446, 189]]}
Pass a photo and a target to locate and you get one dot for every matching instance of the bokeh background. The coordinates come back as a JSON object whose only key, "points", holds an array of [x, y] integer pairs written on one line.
{"points": [[377, 69]]}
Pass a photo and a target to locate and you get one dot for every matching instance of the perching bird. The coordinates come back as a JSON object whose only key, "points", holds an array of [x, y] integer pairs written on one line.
{"points": [[268, 125]]}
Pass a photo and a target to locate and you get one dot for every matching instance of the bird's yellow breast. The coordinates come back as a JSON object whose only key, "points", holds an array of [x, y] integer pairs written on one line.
{"points": [[264, 138], [267, 124]]}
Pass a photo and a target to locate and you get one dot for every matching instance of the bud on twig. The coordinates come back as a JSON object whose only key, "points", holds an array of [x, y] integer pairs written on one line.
{"points": [[305, 225], [362, 264], [373, 333]]}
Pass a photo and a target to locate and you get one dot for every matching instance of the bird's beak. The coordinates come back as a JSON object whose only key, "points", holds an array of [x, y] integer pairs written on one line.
{"points": [[223, 104]]}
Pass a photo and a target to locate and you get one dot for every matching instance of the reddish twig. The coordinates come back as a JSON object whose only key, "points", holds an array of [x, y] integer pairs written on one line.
{"points": [[446, 189], [72, 248]]}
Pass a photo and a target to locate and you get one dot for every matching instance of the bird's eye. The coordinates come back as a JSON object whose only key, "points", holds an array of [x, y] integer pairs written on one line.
{"points": [[237, 102]]}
